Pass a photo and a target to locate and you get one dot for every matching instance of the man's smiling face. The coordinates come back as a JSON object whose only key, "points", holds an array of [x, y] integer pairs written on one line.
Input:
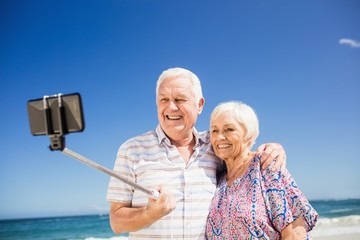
{"points": [[177, 107]]}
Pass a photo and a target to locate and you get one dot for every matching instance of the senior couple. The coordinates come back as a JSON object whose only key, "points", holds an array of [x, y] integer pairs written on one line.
{"points": [[248, 195]]}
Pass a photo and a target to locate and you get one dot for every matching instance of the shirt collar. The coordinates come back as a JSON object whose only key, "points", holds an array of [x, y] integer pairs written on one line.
{"points": [[200, 138]]}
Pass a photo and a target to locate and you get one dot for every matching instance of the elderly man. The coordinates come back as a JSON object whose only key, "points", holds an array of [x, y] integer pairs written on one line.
{"points": [[174, 159]]}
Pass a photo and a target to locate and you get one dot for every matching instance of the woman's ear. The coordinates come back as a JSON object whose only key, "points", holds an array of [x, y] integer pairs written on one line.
{"points": [[249, 141]]}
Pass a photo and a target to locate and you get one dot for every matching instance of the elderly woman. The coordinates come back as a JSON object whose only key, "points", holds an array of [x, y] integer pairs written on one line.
{"points": [[251, 203]]}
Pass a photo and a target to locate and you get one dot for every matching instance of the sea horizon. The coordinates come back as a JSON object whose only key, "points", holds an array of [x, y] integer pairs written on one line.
{"points": [[107, 213]]}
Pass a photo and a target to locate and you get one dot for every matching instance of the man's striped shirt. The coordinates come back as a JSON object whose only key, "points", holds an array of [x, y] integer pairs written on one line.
{"points": [[150, 160]]}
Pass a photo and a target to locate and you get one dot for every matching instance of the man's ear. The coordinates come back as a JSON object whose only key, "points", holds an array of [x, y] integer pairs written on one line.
{"points": [[201, 105]]}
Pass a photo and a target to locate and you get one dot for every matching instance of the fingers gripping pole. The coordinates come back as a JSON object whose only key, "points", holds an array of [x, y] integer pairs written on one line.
{"points": [[151, 193]]}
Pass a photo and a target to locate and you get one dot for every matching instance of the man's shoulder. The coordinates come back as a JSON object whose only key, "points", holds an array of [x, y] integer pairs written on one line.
{"points": [[149, 136]]}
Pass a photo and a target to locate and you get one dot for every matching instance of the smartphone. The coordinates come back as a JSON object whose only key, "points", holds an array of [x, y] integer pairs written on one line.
{"points": [[56, 114]]}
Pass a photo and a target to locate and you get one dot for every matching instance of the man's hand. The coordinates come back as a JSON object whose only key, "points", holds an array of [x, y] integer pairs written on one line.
{"points": [[125, 218], [162, 206], [272, 152]]}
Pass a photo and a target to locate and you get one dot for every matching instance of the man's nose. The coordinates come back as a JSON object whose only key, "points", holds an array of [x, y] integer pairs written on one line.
{"points": [[173, 105]]}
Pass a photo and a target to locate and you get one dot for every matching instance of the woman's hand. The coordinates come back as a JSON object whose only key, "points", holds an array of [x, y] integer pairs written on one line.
{"points": [[295, 230]]}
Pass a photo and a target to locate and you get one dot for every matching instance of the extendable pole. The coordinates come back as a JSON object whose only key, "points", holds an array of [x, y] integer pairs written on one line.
{"points": [[151, 193], [57, 142]]}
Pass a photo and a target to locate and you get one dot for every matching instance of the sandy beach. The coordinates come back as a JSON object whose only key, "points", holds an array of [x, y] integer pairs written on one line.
{"points": [[352, 236]]}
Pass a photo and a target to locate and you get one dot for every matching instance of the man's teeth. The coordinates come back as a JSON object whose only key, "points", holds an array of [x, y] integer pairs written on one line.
{"points": [[221, 146], [173, 117]]}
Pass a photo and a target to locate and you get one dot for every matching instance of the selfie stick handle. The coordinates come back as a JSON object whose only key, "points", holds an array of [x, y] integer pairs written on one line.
{"points": [[151, 193]]}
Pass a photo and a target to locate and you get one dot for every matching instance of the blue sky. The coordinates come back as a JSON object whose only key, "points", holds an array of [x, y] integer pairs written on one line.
{"points": [[296, 62]]}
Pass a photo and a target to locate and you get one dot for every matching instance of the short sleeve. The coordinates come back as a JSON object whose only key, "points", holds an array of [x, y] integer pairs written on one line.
{"points": [[284, 200], [119, 191]]}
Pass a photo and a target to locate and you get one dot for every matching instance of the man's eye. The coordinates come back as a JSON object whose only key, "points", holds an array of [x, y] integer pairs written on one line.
{"points": [[164, 100], [229, 130], [180, 100], [214, 131]]}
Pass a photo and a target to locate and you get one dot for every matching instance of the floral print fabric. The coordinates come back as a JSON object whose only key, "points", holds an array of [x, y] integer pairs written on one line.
{"points": [[258, 205]]}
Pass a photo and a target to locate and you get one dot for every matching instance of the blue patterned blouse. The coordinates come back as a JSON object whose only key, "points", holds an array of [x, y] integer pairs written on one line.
{"points": [[258, 205]]}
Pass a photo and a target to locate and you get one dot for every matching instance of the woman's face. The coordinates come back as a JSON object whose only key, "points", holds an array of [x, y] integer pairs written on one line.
{"points": [[227, 136]]}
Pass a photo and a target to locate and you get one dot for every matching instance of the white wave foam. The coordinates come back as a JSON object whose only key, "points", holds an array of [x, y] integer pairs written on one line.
{"points": [[336, 226], [348, 220], [112, 238], [324, 227], [341, 210]]}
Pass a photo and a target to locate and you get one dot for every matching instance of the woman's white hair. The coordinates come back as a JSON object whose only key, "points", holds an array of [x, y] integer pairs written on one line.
{"points": [[243, 114], [176, 72]]}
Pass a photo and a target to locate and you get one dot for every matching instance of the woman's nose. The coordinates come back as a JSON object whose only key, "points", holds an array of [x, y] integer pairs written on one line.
{"points": [[221, 136]]}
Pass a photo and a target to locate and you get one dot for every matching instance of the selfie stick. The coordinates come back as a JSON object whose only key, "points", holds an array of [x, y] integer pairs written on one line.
{"points": [[151, 193], [57, 142]]}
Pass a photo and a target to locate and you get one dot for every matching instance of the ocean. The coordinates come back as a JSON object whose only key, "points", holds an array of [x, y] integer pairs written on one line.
{"points": [[336, 217]]}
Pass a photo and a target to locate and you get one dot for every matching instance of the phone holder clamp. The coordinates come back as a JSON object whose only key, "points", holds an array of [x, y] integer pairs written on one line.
{"points": [[57, 140]]}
